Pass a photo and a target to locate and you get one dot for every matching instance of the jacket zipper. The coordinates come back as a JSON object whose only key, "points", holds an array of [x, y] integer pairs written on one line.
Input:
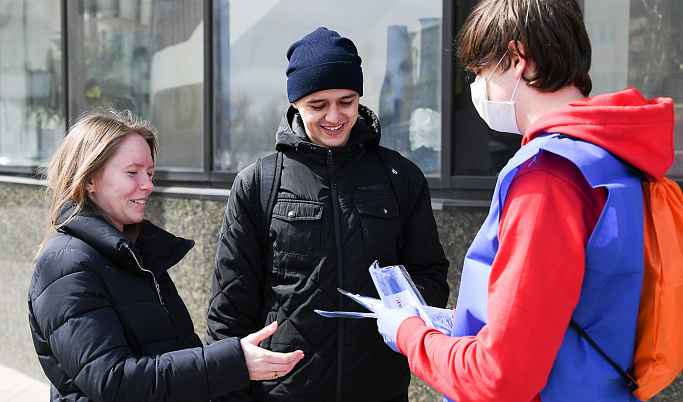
{"points": [[340, 282], [156, 284]]}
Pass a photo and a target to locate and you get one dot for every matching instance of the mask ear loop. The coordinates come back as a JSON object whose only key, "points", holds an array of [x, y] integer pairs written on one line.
{"points": [[515, 91], [486, 94], [496, 67]]}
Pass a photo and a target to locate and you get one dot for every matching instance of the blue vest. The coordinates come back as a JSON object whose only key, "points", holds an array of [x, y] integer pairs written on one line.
{"points": [[610, 293]]}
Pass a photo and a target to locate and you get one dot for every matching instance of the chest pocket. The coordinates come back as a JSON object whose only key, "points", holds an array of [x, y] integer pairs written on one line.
{"points": [[297, 225], [380, 219]]}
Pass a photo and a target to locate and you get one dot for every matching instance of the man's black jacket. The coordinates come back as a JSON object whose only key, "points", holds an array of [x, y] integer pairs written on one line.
{"points": [[336, 212]]}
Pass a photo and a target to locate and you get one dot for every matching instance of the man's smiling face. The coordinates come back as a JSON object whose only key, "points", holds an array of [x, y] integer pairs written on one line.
{"points": [[329, 115]]}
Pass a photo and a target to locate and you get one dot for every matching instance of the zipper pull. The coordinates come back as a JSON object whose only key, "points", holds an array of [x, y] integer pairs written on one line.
{"points": [[161, 299]]}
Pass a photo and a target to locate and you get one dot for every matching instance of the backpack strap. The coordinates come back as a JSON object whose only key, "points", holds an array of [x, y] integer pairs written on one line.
{"points": [[269, 171], [630, 381], [393, 163]]}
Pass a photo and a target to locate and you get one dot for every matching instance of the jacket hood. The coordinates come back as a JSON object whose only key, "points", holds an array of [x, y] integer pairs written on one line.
{"points": [[635, 129], [155, 249], [292, 135]]}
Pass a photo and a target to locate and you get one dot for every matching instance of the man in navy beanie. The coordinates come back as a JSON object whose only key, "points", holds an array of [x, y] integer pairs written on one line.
{"points": [[337, 209]]}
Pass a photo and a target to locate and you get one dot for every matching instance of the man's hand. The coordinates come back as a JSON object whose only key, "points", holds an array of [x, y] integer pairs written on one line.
{"points": [[388, 321], [442, 318]]}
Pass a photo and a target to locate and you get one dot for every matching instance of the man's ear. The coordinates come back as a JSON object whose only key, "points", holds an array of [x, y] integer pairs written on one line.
{"points": [[518, 62], [294, 105]]}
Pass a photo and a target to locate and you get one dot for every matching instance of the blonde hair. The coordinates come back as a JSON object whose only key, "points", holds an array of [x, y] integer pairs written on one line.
{"points": [[86, 148]]}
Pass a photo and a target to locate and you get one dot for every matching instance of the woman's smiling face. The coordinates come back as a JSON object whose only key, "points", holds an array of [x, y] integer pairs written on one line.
{"points": [[120, 189], [329, 115]]}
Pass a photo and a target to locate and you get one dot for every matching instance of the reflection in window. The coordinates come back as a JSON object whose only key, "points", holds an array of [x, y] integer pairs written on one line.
{"points": [[400, 44], [146, 56], [656, 59], [31, 124]]}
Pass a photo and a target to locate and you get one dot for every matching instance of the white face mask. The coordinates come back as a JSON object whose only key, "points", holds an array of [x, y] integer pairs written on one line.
{"points": [[499, 116]]}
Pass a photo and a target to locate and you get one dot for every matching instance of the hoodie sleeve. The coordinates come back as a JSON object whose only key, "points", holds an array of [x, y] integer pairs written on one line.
{"points": [[534, 286]]}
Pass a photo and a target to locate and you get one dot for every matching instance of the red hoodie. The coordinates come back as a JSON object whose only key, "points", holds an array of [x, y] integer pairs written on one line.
{"points": [[637, 130], [548, 217]]}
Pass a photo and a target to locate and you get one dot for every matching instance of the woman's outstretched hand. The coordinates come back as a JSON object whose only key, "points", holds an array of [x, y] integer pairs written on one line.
{"points": [[263, 364]]}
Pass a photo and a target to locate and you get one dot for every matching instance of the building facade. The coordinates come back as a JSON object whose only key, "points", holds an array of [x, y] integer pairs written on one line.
{"points": [[210, 75]]}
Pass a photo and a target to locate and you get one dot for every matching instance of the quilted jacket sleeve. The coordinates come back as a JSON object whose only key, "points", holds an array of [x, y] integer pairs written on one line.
{"points": [[83, 348], [237, 282], [422, 255]]}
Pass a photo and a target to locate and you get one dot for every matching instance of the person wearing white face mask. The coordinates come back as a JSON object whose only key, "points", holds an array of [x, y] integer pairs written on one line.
{"points": [[499, 116], [564, 238]]}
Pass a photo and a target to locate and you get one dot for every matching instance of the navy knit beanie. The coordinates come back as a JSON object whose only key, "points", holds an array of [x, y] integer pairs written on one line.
{"points": [[322, 60]]}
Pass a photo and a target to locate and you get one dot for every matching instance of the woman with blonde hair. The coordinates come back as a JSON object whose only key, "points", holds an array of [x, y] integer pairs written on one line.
{"points": [[106, 319]]}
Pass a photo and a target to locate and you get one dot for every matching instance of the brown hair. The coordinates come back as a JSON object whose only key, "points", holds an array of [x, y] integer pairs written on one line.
{"points": [[552, 32], [86, 148]]}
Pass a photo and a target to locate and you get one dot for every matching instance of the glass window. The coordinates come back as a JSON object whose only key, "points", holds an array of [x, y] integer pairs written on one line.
{"points": [[400, 42], [146, 56], [639, 46], [31, 122], [477, 150], [635, 43]]}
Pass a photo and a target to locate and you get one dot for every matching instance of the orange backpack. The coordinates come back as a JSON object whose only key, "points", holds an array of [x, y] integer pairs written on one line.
{"points": [[659, 334], [658, 356]]}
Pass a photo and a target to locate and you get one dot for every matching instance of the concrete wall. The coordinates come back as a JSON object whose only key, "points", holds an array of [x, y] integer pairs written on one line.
{"points": [[23, 210]]}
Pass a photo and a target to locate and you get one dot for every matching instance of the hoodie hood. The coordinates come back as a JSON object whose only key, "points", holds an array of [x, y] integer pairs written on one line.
{"points": [[292, 135], [635, 129]]}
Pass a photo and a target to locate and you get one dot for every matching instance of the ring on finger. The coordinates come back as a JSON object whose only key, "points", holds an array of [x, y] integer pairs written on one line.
{"points": [[274, 374]]}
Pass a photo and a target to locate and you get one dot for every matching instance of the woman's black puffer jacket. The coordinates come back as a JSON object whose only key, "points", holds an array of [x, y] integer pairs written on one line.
{"points": [[108, 323], [336, 212]]}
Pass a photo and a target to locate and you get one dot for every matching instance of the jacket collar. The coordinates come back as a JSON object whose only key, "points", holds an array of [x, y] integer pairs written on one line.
{"points": [[155, 249]]}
